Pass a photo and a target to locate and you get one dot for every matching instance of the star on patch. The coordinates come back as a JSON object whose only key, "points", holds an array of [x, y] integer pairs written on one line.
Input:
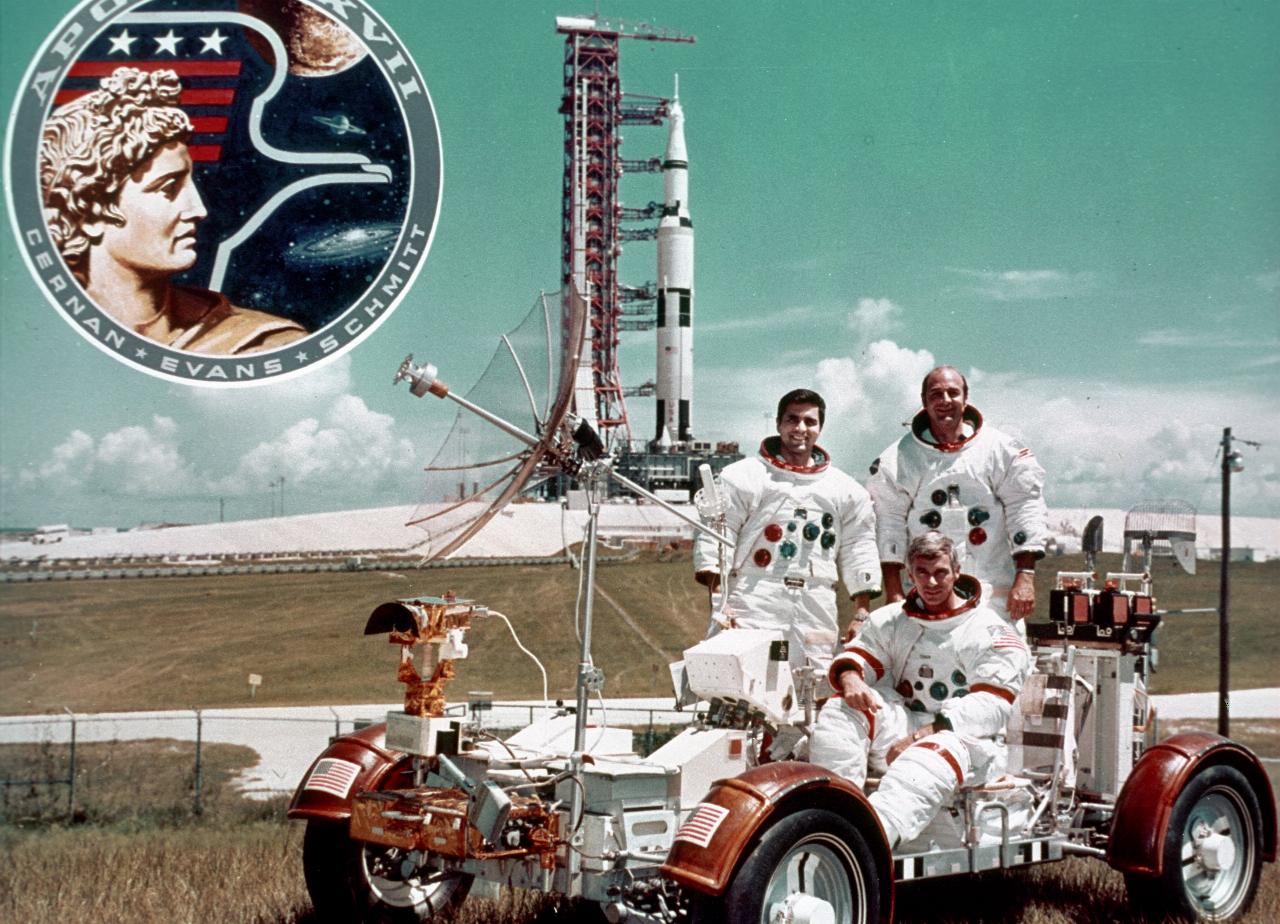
{"points": [[140, 352], [213, 42], [168, 42], [300, 356], [122, 43]]}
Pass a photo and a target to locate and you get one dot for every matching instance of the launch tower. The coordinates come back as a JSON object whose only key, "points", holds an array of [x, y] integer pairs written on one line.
{"points": [[594, 109]]}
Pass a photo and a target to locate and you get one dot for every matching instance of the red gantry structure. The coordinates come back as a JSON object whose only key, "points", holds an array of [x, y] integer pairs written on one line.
{"points": [[594, 109]]}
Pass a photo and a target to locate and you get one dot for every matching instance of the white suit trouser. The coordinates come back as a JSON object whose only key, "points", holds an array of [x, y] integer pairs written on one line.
{"points": [[924, 777]]}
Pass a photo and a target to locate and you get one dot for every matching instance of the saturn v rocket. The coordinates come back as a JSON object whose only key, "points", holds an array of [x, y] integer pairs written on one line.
{"points": [[675, 289]]}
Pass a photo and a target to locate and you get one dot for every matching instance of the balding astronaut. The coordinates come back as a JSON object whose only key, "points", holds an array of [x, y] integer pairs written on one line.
{"points": [[925, 691], [981, 488]]}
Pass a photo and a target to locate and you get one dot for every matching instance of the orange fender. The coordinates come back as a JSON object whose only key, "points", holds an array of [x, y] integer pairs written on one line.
{"points": [[746, 806], [378, 768], [1146, 802]]}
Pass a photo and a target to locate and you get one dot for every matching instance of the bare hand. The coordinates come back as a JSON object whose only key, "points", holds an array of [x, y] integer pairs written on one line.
{"points": [[898, 747], [860, 616], [902, 744], [1022, 597], [856, 694], [891, 578]]}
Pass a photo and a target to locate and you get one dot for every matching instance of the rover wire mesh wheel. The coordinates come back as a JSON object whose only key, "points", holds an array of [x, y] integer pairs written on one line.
{"points": [[807, 859], [350, 880], [1211, 855]]}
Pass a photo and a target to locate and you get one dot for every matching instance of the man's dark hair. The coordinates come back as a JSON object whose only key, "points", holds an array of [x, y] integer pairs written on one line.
{"points": [[924, 386], [802, 396]]}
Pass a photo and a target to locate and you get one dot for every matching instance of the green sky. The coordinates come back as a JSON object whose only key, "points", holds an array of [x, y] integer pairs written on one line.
{"points": [[1078, 202]]}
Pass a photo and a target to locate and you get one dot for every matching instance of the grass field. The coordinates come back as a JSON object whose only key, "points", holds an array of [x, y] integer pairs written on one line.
{"points": [[191, 642]]}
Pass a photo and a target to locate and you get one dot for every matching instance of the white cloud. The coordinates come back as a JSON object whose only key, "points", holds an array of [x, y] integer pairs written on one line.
{"points": [[874, 317], [141, 460], [1102, 444], [263, 403], [1118, 444], [1168, 337], [786, 318], [1017, 285], [350, 450], [1268, 282]]}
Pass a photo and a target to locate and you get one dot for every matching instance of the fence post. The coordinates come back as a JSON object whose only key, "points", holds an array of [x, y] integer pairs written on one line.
{"points": [[196, 807], [648, 736], [71, 777]]}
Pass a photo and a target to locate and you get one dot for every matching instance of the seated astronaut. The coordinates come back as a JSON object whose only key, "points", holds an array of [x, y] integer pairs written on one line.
{"points": [[925, 692]]}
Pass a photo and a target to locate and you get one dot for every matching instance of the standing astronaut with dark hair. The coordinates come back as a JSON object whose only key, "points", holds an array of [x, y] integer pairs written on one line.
{"points": [[801, 524]]}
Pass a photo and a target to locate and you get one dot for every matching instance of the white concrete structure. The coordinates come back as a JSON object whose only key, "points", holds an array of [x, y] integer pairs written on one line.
{"points": [[675, 289], [519, 530]]}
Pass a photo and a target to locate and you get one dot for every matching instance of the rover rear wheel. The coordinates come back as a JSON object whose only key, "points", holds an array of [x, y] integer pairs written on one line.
{"points": [[812, 865], [350, 880], [1212, 852]]}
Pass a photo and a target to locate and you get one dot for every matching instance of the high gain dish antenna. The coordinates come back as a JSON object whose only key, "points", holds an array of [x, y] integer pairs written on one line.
{"points": [[550, 443], [1160, 529]]}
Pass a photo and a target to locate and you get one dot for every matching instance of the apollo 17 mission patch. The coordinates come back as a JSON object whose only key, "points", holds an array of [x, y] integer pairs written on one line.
{"points": [[223, 192]]}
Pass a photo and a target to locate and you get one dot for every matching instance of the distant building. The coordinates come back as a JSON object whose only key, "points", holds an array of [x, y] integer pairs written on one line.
{"points": [[1238, 553], [45, 535]]}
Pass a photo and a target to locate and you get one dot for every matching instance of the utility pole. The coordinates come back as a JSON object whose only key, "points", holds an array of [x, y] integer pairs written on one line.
{"points": [[1232, 462], [1224, 592]]}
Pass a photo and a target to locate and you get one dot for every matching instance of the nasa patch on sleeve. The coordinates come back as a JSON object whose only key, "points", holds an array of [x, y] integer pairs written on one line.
{"points": [[223, 194]]}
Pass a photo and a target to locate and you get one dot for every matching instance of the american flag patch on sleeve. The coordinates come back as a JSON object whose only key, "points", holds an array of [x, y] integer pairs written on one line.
{"points": [[1004, 637], [334, 776], [702, 825]]}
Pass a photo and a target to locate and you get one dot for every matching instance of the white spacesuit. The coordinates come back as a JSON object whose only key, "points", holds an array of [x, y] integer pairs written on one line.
{"points": [[959, 671], [985, 494], [798, 529]]}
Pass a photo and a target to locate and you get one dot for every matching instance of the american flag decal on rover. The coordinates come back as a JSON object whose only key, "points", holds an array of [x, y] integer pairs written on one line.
{"points": [[702, 825], [334, 776]]}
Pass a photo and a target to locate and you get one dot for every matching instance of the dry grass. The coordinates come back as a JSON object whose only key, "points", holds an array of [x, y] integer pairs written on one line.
{"points": [[1075, 891], [128, 785], [208, 874]]}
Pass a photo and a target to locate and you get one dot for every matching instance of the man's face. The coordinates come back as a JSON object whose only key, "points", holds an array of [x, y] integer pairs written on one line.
{"points": [[799, 429], [161, 208], [944, 400], [934, 580]]}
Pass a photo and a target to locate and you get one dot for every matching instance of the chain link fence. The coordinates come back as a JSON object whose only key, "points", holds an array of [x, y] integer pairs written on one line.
{"points": [[123, 765]]}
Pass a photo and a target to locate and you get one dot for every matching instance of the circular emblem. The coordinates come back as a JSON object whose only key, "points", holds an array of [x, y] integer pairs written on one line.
{"points": [[977, 536], [762, 557], [223, 193], [773, 532]]}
